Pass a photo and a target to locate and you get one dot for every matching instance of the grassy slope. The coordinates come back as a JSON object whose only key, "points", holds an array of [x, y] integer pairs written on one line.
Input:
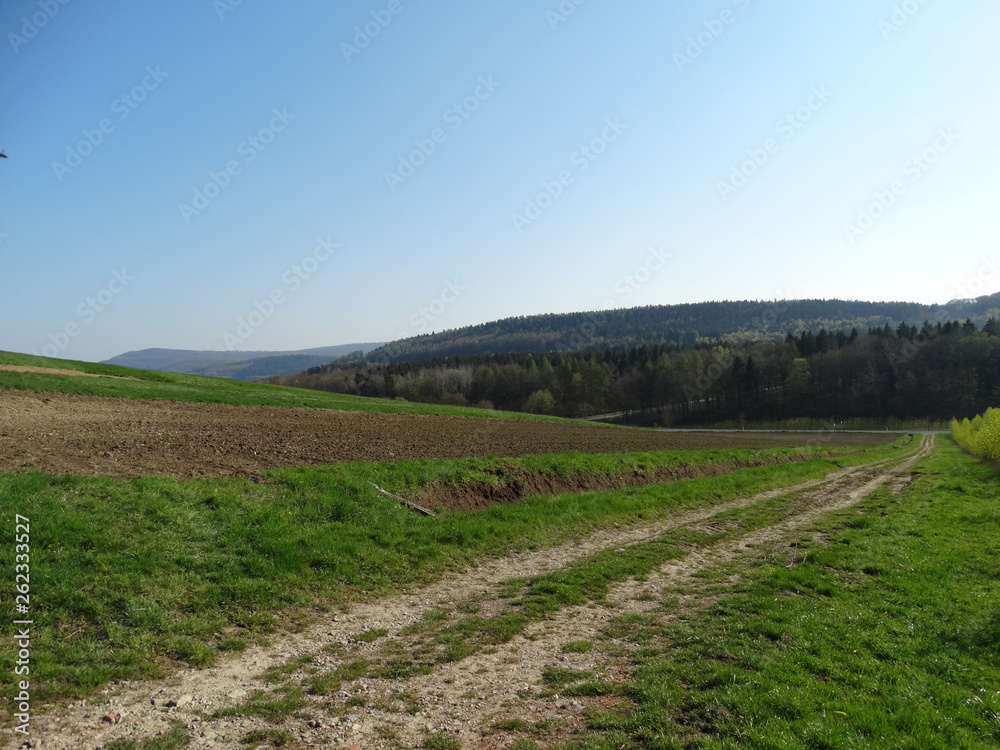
{"points": [[150, 384], [886, 635], [234, 553]]}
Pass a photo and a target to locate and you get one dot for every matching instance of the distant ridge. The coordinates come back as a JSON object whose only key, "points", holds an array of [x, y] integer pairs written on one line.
{"points": [[732, 321], [235, 364]]}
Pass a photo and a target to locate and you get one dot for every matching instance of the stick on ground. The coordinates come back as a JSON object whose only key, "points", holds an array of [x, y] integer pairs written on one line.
{"points": [[404, 501]]}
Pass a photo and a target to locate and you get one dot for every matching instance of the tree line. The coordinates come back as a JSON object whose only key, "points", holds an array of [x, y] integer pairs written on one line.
{"points": [[696, 323], [934, 371]]}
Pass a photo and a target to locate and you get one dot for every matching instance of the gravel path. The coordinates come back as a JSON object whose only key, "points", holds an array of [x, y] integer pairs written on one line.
{"points": [[462, 698]]}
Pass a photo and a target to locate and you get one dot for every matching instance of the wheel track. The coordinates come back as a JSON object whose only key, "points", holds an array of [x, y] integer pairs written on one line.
{"points": [[81, 725]]}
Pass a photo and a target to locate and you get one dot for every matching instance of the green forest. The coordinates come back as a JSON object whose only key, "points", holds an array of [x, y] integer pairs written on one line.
{"points": [[935, 371], [733, 322]]}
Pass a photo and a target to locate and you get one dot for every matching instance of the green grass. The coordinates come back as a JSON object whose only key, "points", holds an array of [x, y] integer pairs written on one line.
{"points": [[440, 741], [109, 605], [329, 682], [562, 677], [370, 635], [152, 384], [268, 707], [587, 581], [269, 737], [278, 672], [884, 635], [175, 739], [892, 424], [440, 637]]}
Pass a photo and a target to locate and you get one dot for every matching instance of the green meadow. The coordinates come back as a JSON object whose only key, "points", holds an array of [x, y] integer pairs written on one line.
{"points": [[879, 629], [126, 382], [131, 578]]}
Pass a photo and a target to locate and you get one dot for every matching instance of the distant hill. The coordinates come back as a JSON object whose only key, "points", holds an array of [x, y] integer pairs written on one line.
{"points": [[235, 365], [733, 321]]}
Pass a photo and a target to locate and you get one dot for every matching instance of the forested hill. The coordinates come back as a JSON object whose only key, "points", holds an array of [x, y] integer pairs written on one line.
{"points": [[933, 371], [731, 321]]}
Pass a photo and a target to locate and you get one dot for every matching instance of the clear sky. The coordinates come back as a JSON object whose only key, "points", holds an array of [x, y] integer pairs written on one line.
{"points": [[263, 175]]}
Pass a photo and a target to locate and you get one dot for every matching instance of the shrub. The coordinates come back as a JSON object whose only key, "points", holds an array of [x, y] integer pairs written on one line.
{"points": [[981, 435]]}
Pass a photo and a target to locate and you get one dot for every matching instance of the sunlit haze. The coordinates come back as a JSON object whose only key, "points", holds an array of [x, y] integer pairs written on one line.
{"points": [[276, 176]]}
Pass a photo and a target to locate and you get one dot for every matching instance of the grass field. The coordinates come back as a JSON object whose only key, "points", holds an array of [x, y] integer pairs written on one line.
{"points": [[893, 424], [238, 555], [877, 628], [881, 631], [126, 382]]}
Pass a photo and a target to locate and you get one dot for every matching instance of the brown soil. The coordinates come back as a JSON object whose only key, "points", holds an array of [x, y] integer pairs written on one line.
{"points": [[519, 484], [65, 433], [58, 371]]}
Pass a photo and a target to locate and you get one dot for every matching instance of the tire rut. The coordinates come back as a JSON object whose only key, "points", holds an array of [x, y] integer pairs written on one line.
{"points": [[457, 697]]}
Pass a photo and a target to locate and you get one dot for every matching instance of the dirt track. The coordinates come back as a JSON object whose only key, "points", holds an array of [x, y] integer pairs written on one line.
{"points": [[462, 698], [61, 433]]}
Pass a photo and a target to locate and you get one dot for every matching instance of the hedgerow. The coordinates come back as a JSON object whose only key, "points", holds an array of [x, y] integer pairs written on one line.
{"points": [[981, 435]]}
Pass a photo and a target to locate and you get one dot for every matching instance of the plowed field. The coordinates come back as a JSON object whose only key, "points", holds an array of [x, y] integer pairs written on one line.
{"points": [[61, 433]]}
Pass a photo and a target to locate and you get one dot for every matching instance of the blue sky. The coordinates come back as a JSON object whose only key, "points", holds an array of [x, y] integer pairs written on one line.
{"points": [[256, 175]]}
